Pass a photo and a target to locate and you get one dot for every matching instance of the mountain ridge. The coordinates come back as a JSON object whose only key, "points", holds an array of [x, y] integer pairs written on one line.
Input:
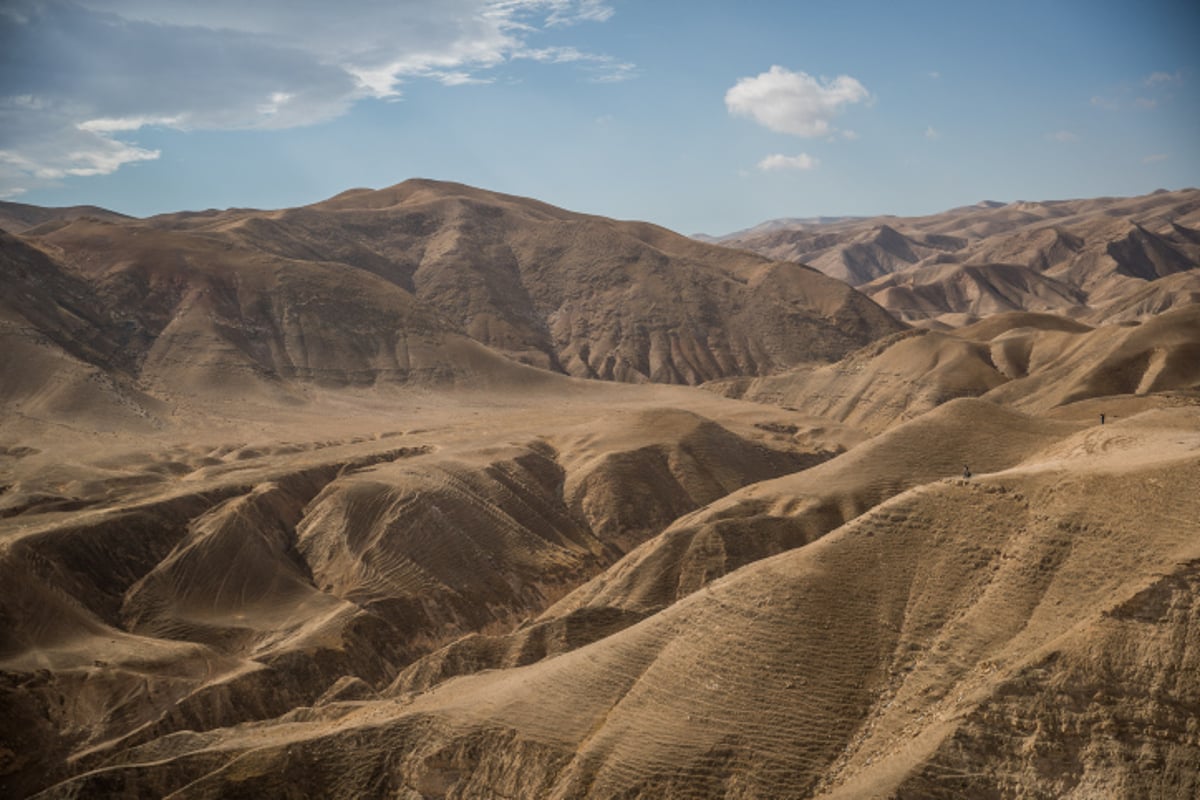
{"points": [[1100, 249]]}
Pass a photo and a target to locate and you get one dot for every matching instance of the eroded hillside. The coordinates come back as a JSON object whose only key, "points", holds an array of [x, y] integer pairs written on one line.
{"points": [[283, 513], [1098, 260]]}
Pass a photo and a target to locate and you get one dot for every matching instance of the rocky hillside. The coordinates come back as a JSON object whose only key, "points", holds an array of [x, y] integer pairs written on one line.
{"points": [[1081, 257], [375, 285]]}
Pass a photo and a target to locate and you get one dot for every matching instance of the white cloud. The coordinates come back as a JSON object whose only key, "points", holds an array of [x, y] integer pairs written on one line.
{"points": [[850, 135], [106, 125], [934, 74], [1064, 137], [78, 79], [603, 69], [565, 12], [1155, 158], [1155, 78], [932, 133], [778, 161], [794, 102], [63, 153]]}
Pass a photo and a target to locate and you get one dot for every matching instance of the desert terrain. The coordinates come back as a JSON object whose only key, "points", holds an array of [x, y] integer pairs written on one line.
{"points": [[434, 492], [1109, 259]]}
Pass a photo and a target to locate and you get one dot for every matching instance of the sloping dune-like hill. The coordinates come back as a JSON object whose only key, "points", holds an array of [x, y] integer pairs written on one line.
{"points": [[1082, 257], [156, 583], [1028, 361], [1023, 633]]}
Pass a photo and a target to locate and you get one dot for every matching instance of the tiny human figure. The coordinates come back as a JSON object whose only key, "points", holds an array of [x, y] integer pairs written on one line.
{"points": [[966, 473], [1101, 418]]}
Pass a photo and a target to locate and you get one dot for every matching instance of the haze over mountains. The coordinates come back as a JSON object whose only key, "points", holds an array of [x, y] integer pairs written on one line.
{"points": [[416, 492], [1105, 259]]}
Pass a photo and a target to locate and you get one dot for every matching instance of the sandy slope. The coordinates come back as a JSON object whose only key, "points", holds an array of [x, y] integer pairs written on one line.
{"points": [[279, 518], [227, 569], [1027, 632], [1033, 362]]}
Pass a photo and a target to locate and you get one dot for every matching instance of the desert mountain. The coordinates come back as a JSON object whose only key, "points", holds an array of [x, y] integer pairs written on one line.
{"points": [[588, 296], [1081, 257], [20, 217], [283, 513]]}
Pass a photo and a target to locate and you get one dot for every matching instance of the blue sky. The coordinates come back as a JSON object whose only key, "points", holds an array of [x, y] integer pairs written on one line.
{"points": [[701, 116]]}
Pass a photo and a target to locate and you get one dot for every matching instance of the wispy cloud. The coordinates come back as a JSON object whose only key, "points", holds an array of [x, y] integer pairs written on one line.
{"points": [[91, 73], [778, 161], [1155, 158], [1063, 137], [567, 12], [932, 133], [1159, 78], [794, 102], [1145, 94], [602, 68]]}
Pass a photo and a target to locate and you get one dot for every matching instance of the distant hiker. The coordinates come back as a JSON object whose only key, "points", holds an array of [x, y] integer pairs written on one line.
{"points": [[1102, 419], [966, 473]]}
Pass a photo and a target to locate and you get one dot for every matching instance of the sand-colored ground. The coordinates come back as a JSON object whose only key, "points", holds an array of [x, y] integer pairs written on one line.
{"points": [[287, 527]]}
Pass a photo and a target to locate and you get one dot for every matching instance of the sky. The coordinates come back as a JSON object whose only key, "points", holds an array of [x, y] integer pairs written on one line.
{"points": [[701, 116]]}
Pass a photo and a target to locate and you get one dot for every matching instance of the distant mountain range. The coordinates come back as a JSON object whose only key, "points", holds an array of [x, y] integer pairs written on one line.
{"points": [[1088, 259]]}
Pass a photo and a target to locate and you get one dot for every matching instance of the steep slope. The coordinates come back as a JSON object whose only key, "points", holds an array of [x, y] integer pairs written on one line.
{"points": [[1024, 633], [62, 354], [198, 315]]}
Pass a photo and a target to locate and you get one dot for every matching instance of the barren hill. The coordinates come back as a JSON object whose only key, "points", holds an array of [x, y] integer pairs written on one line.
{"points": [[21, 217], [1018, 634], [282, 513], [573, 293], [1080, 257], [1027, 361]]}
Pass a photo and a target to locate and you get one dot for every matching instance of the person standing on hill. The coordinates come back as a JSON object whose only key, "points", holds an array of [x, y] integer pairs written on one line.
{"points": [[966, 473]]}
